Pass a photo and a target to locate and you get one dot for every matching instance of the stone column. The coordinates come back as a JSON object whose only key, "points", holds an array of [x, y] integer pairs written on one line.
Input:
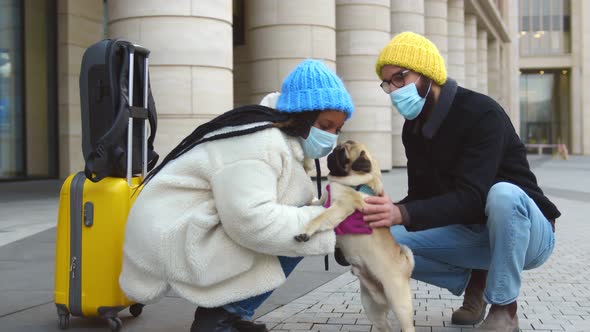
{"points": [[456, 40], [406, 15], [511, 80], [190, 62], [585, 76], [482, 61], [436, 25], [280, 34], [78, 28], [576, 78], [362, 30], [494, 85], [471, 52], [241, 76]]}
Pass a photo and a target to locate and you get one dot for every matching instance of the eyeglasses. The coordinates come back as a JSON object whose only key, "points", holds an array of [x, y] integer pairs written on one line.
{"points": [[397, 80]]}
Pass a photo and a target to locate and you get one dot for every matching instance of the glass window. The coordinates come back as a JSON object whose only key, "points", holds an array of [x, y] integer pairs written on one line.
{"points": [[544, 107], [544, 27], [11, 89]]}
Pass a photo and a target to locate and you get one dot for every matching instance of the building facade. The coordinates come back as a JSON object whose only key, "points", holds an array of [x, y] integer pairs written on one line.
{"points": [[209, 56], [554, 70]]}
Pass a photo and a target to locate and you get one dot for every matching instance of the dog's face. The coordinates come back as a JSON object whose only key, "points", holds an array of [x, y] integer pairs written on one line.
{"points": [[350, 158]]}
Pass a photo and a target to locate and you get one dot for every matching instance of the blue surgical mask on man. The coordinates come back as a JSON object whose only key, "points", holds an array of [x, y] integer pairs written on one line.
{"points": [[318, 143], [407, 101]]}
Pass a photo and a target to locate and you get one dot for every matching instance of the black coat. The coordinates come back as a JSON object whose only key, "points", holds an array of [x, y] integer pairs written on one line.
{"points": [[467, 145]]}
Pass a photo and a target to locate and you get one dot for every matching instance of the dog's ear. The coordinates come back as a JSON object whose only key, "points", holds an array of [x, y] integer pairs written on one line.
{"points": [[362, 163], [337, 161]]}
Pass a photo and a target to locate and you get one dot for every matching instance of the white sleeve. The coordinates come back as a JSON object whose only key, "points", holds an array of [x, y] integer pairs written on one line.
{"points": [[245, 194]]}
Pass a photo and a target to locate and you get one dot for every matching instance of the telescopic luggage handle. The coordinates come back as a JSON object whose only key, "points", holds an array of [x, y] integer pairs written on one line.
{"points": [[136, 112]]}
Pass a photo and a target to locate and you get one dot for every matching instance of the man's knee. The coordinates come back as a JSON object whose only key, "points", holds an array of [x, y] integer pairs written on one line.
{"points": [[504, 194], [400, 234], [504, 198]]}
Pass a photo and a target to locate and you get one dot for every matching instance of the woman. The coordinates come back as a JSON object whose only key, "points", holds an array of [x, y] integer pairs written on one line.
{"points": [[216, 222]]}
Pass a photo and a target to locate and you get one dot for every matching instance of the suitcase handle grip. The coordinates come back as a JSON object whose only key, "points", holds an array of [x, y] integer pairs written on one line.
{"points": [[134, 48]]}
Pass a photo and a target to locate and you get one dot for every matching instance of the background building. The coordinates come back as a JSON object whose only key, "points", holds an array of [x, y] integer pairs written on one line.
{"points": [[211, 55], [554, 69]]}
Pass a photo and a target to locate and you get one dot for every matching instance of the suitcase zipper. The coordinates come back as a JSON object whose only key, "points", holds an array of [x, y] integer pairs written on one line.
{"points": [[76, 198]]}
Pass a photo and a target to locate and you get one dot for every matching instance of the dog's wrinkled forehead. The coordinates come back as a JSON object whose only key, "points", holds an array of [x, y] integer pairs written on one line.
{"points": [[351, 154], [353, 149]]}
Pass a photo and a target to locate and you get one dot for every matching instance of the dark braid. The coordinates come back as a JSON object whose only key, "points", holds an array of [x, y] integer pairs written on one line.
{"points": [[293, 124]]}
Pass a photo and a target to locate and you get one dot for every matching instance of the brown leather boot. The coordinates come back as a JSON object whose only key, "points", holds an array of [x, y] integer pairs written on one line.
{"points": [[501, 318], [474, 308]]}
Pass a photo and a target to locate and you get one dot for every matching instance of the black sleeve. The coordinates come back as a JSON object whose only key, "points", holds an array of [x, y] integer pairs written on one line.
{"points": [[474, 174]]}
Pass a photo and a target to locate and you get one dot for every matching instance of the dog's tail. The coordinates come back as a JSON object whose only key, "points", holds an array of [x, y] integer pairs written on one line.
{"points": [[407, 252]]}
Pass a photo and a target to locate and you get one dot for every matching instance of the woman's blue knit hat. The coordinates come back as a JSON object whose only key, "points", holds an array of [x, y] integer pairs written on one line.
{"points": [[312, 86]]}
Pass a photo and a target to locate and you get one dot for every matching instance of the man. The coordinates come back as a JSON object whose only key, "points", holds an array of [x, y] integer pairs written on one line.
{"points": [[474, 215]]}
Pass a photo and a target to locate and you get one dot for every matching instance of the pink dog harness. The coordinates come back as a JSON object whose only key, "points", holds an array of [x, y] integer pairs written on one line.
{"points": [[353, 224]]}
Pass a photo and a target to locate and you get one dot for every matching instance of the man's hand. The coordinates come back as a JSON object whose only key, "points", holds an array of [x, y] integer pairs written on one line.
{"points": [[379, 211]]}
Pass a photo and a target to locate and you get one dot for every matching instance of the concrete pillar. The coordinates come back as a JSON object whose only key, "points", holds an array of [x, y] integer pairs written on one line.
{"points": [[436, 25], [362, 30], [456, 40], [471, 52], [79, 26], [494, 84], [482, 61], [190, 63], [280, 34], [241, 76], [576, 79], [406, 15], [585, 79], [511, 67]]}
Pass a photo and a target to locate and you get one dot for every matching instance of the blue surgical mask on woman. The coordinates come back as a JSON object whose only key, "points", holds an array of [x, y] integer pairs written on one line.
{"points": [[318, 143], [407, 101]]}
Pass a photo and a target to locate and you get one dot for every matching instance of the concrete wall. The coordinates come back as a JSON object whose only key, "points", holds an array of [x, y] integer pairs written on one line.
{"points": [[191, 60], [197, 73], [79, 24], [362, 29]]}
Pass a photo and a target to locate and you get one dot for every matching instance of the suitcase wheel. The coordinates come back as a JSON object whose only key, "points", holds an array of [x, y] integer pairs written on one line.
{"points": [[136, 309], [64, 322], [115, 324]]}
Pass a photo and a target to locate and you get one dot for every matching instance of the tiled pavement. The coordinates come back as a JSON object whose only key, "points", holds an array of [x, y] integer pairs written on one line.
{"points": [[554, 297]]}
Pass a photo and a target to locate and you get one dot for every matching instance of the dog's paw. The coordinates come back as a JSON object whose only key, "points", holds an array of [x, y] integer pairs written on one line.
{"points": [[302, 237]]}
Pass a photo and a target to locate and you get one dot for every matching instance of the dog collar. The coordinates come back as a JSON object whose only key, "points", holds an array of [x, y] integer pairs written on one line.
{"points": [[365, 189]]}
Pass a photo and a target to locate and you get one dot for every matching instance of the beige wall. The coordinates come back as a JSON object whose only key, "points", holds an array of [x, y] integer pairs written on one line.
{"points": [[280, 34], [195, 68], [362, 29], [191, 60], [37, 110], [585, 73], [79, 24]]}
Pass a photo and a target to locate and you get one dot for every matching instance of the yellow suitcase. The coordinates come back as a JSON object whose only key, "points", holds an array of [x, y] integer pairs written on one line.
{"points": [[91, 230], [89, 248]]}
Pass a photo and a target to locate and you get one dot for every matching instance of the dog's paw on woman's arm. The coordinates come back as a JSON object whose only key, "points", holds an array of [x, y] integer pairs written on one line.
{"points": [[303, 237]]}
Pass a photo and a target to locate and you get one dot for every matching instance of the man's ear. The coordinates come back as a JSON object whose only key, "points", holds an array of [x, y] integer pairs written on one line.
{"points": [[362, 163]]}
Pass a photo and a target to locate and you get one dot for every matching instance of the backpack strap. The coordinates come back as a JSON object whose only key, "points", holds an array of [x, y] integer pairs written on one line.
{"points": [[103, 152]]}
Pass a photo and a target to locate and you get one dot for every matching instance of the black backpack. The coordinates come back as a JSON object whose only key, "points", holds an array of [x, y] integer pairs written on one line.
{"points": [[104, 98]]}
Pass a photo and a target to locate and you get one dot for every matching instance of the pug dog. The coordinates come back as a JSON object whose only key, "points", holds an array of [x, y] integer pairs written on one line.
{"points": [[382, 266]]}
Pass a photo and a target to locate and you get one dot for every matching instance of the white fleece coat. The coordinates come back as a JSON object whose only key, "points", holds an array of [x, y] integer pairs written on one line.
{"points": [[211, 224]]}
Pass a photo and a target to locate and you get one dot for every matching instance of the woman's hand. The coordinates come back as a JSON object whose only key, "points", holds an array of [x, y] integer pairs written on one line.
{"points": [[379, 211]]}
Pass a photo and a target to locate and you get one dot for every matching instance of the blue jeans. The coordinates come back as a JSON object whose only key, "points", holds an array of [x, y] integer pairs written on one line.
{"points": [[246, 308], [517, 237]]}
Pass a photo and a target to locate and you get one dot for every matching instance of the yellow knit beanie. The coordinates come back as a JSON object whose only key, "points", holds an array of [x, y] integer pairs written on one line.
{"points": [[413, 51]]}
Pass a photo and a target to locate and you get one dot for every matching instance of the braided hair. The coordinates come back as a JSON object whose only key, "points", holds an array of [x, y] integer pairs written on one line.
{"points": [[292, 124]]}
